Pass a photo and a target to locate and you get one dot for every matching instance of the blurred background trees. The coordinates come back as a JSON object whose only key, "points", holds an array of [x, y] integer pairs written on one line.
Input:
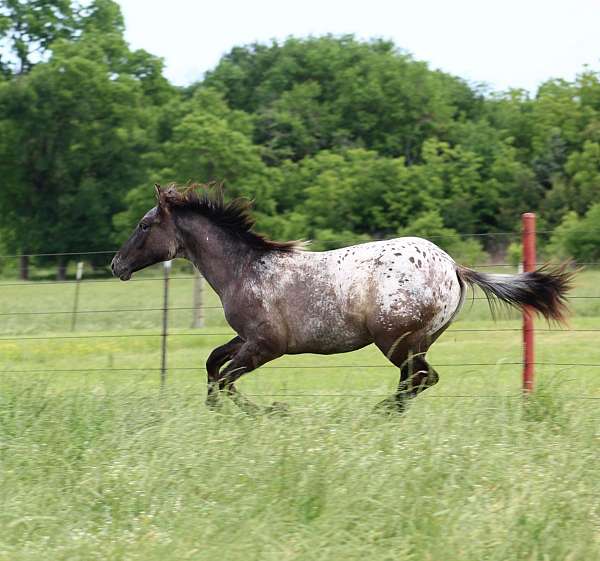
{"points": [[336, 140]]}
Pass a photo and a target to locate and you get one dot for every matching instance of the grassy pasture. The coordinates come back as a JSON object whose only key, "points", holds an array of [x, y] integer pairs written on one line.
{"points": [[100, 465]]}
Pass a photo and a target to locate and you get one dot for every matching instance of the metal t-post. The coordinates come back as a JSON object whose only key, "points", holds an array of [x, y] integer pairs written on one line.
{"points": [[165, 325], [529, 264]]}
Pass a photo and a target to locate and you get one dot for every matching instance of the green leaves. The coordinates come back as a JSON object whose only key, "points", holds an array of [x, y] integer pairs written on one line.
{"points": [[430, 225], [28, 29], [327, 92], [577, 237], [334, 138], [76, 127]]}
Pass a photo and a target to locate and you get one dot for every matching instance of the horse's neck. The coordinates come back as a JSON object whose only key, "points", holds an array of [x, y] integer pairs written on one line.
{"points": [[216, 254]]}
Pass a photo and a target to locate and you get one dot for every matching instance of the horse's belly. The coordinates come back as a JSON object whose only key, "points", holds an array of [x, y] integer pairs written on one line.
{"points": [[327, 335]]}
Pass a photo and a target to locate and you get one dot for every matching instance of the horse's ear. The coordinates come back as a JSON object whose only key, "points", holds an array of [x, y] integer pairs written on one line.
{"points": [[161, 197]]}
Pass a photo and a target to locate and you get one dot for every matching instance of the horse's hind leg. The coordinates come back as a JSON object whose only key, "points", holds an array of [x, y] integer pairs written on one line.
{"points": [[416, 375]]}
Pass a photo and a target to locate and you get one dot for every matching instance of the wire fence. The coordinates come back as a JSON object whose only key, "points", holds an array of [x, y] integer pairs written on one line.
{"points": [[188, 277], [357, 240], [575, 264]]}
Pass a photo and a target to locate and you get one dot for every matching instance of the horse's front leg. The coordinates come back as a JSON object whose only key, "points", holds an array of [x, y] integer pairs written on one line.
{"points": [[217, 358], [250, 356]]}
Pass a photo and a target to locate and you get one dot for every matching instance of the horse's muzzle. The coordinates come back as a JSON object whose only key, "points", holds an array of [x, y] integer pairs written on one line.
{"points": [[117, 269]]}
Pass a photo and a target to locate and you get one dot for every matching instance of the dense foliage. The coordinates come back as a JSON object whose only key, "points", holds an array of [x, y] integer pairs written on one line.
{"points": [[335, 139]]}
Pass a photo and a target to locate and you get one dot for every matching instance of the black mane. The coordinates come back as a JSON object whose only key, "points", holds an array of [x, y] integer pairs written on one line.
{"points": [[234, 216]]}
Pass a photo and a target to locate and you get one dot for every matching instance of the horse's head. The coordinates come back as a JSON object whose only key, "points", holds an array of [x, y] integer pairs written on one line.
{"points": [[154, 240]]}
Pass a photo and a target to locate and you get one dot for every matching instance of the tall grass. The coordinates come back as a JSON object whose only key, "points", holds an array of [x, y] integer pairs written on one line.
{"points": [[101, 465], [128, 473]]}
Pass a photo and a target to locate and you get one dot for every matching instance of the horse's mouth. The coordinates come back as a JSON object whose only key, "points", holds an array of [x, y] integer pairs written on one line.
{"points": [[125, 276]]}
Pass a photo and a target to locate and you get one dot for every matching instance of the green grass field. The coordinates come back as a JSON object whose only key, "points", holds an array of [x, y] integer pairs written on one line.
{"points": [[97, 463]]}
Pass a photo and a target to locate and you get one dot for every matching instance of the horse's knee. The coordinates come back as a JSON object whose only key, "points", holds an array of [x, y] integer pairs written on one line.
{"points": [[212, 368], [215, 360], [219, 356]]}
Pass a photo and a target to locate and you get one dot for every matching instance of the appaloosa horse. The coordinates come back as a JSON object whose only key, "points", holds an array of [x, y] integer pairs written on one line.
{"points": [[400, 294]]}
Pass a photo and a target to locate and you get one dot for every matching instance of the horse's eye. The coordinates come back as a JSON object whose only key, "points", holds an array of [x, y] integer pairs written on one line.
{"points": [[144, 226]]}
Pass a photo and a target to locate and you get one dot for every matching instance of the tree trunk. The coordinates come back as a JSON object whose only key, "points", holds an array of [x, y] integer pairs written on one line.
{"points": [[61, 273], [24, 267], [198, 311]]}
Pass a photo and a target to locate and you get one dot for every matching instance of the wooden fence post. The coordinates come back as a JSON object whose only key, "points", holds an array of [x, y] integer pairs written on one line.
{"points": [[198, 311], [78, 277]]}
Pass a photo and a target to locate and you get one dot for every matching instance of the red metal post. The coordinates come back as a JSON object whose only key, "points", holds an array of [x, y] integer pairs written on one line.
{"points": [[529, 264]]}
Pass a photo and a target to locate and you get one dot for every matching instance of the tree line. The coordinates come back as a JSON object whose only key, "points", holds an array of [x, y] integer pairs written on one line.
{"points": [[336, 140]]}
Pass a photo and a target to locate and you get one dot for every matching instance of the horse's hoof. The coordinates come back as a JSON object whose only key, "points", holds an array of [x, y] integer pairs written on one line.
{"points": [[278, 408], [214, 404], [391, 406]]}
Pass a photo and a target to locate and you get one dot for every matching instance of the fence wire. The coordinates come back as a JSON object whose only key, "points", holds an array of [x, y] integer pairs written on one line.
{"points": [[184, 277], [575, 264], [189, 308], [514, 234]]}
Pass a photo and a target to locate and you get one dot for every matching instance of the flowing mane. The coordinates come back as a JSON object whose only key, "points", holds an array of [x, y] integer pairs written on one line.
{"points": [[235, 215]]}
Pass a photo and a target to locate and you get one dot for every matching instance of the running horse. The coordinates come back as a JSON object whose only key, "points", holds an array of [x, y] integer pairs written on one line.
{"points": [[400, 294]]}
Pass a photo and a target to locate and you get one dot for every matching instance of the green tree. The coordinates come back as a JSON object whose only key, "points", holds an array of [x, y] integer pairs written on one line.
{"points": [[207, 142], [329, 92], [29, 27], [429, 225], [448, 181], [583, 167], [75, 128], [341, 191]]}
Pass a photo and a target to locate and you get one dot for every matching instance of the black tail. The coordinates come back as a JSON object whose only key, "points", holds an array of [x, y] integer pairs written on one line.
{"points": [[544, 289]]}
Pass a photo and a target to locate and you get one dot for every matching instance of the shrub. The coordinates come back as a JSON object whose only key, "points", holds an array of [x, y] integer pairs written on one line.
{"points": [[578, 237], [430, 225], [514, 253]]}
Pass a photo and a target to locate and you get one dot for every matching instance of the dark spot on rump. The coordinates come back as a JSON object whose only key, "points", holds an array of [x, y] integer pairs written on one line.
{"points": [[411, 259], [419, 263], [397, 254]]}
